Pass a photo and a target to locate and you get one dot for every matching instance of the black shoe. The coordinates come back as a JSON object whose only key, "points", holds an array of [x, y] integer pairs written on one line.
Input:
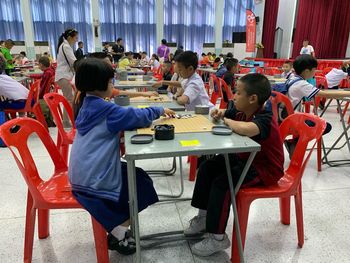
{"points": [[124, 246]]}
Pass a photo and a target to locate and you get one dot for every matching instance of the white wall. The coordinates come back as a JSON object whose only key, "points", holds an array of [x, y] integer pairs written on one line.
{"points": [[285, 20], [348, 48]]}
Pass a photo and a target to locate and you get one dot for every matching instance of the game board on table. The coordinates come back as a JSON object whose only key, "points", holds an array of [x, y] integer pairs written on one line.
{"points": [[160, 98], [184, 123]]}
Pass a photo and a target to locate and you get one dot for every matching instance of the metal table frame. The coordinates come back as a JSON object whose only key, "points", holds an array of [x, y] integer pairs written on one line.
{"points": [[325, 160], [212, 144]]}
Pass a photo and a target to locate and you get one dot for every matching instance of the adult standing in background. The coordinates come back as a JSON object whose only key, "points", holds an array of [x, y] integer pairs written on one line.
{"points": [[307, 49], [5, 50], [163, 51], [79, 53], [64, 71], [118, 50]]}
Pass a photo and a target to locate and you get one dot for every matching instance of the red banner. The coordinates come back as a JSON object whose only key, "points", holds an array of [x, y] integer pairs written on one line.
{"points": [[250, 31]]}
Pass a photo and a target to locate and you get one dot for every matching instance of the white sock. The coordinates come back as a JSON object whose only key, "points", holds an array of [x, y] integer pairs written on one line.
{"points": [[202, 213], [119, 232], [219, 237]]}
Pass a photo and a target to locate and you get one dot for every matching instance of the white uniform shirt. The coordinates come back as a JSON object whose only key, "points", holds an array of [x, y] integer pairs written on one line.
{"points": [[307, 50], [12, 89], [64, 68], [300, 89], [335, 76], [195, 91]]}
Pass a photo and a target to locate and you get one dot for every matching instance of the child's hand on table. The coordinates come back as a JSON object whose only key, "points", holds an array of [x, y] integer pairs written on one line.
{"points": [[217, 114], [149, 94], [229, 123], [169, 113]]}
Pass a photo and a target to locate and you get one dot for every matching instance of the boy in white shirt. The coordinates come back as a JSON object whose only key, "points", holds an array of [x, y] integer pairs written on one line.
{"points": [[307, 49], [335, 76], [13, 95], [192, 92], [305, 67], [287, 69]]}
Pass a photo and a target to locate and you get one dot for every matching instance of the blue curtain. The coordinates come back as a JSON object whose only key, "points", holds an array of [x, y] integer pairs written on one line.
{"points": [[235, 17], [132, 20], [11, 23], [52, 17], [189, 22]]}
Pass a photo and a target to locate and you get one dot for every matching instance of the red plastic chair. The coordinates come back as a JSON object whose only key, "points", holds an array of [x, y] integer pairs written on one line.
{"points": [[223, 86], [244, 70], [259, 70], [32, 105], [272, 71], [289, 185], [54, 193], [278, 98], [326, 70], [64, 138]]}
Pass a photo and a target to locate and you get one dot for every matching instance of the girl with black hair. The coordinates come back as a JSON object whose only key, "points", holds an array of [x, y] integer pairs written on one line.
{"points": [[64, 71]]}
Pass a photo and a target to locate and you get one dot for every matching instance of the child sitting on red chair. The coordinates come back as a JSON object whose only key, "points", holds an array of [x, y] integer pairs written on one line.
{"points": [[245, 116]]}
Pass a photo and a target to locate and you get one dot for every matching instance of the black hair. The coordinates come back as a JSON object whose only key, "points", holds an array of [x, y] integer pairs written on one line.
{"points": [[217, 60], [144, 52], [119, 39], [164, 41], [71, 32], [155, 56], [181, 47], [214, 55], [80, 42], [23, 53], [2, 42], [10, 41], [46, 53], [221, 55], [203, 54], [230, 63], [45, 61], [229, 55], [93, 74], [304, 62], [105, 43], [187, 58], [209, 53], [257, 84]]}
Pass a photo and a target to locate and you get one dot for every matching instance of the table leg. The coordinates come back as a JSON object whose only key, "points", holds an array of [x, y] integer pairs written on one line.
{"points": [[233, 192], [133, 206]]}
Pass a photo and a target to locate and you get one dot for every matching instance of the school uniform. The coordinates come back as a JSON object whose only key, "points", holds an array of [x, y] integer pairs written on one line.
{"points": [[335, 77], [7, 55], [96, 173], [196, 93], [13, 95], [211, 192], [123, 63], [287, 75], [307, 50]]}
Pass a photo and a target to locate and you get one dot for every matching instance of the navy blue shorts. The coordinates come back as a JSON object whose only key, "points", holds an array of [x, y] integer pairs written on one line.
{"points": [[111, 214]]}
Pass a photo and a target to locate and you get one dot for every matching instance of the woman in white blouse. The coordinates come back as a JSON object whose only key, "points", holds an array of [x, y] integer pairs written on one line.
{"points": [[154, 62], [64, 71]]}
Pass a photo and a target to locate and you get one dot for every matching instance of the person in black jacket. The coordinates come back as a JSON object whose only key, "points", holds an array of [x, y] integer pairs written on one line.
{"points": [[79, 53]]}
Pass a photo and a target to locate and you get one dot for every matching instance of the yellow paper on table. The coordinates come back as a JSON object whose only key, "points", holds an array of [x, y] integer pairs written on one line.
{"points": [[142, 106], [189, 143]]}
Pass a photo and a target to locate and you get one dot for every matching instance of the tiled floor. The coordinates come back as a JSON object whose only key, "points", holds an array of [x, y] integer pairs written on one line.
{"points": [[326, 218]]}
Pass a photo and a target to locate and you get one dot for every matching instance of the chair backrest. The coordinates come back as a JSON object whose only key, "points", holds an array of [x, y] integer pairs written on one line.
{"points": [[326, 70], [228, 91], [305, 127], [259, 70], [33, 96], [54, 102], [215, 88], [277, 99], [15, 134], [321, 81], [272, 71], [244, 70]]}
